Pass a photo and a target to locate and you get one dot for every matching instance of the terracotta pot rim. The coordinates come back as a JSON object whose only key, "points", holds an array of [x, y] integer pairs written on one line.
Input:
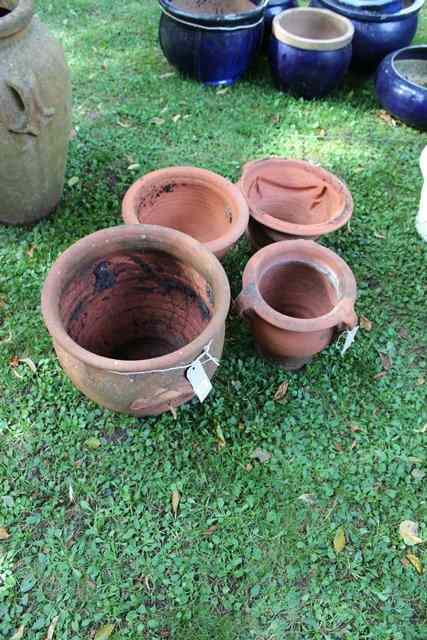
{"points": [[195, 175], [18, 18], [339, 220], [284, 32], [290, 251], [174, 242]]}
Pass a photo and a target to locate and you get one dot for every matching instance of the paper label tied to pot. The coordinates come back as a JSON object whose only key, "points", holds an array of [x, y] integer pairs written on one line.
{"points": [[198, 378]]}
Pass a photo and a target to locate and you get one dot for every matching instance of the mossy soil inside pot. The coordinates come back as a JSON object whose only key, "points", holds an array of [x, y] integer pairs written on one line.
{"points": [[136, 305], [414, 70]]}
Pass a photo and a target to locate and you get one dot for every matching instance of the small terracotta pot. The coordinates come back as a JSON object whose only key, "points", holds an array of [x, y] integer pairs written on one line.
{"points": [[292, 199], [195, 201], [296, 296], [128, 308]]}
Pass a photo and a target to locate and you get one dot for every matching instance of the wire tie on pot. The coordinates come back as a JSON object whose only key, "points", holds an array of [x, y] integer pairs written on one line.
{"points": [[350, 336], [195, 372], [212, 28]]}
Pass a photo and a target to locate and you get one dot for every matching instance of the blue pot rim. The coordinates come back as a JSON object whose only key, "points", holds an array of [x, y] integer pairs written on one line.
{"points": [[391, 58], [373, 16], [285, 44], [226, 21]]}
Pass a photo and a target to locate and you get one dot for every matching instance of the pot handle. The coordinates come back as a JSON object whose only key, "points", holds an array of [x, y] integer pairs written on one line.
{"points": [[246, 300], [349, 319]]}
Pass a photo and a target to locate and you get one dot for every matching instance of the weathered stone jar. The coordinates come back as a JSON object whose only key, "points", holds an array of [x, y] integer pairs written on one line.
{"points": [[35, 115]]}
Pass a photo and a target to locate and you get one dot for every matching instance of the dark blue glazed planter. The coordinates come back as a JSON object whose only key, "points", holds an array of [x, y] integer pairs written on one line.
{"points": [[273, 8], [376, 34], [401, 96], [215, 50], [309, 68]]}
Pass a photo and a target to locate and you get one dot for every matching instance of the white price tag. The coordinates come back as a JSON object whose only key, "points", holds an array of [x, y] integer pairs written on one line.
{"points": [[197, 377]]}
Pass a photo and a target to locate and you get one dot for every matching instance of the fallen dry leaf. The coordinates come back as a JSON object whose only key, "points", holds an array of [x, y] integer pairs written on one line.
{"points": [[14, 362], [104, 632], [220, 437], [339, 540], [385, 361], [73, 134], [249, 467], [418, 474], [176, 499], [157, 121], [211, 530], [403, 333], [261, 456], [176, 118], [416, 562], [73, 181], [379, 236], [124, 124], [380, 376], [281, 391], [133, 167], [276, 118], [321, 133], [173, 411], [166, 75], [354, 428], [31, 250], [308, 498], [52, 628], [405, 562], [387, 118], [4, 534], [19, 633], [29, 364], [409, 532], [420, 381], [365, 324], [221, 92]]}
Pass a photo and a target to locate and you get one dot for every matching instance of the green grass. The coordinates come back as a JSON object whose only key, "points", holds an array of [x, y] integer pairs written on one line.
{"points": [[268, 571]]}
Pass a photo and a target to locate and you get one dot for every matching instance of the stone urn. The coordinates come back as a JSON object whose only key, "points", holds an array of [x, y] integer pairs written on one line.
{"points": [[35, 115], [195, 201], [297, 296], [134, 312]]}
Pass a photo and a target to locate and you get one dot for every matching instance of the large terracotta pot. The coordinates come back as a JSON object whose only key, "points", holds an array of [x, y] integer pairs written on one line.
{"points": [[291, 199], [35, 115], [296, 296], [129, 309], [200, 203]]}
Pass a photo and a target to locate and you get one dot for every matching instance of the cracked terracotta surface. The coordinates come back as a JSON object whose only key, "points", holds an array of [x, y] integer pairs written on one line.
{"points": [[296, 296], [195, 201], [293, 199], [125, 304]]}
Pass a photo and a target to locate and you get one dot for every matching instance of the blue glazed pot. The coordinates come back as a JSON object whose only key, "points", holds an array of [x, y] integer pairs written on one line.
{"points": [[213, 49], [310, 51], [376, 33], [400, 93]]}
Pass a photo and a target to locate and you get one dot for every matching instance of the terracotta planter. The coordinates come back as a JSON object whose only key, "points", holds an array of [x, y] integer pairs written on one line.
{"points": [[293, 199], [200, 203], [296, 296], [129, 309], [35, 115]]}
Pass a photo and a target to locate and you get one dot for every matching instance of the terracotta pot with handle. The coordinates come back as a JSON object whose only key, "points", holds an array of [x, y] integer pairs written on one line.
{"points": [[291, 199], [130, 309], [35, 115], [296, 296], [201, 203]]}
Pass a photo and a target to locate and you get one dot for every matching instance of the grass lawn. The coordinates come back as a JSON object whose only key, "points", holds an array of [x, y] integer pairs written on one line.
{"points": [[93, 539]]}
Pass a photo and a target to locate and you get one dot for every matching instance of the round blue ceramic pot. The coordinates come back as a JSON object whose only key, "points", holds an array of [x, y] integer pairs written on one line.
{"points": [[215, 48], [310, 51], [376, 33], [401, 85]]}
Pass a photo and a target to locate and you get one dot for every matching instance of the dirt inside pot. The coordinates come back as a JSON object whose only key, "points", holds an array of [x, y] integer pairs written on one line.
{"points": [[214, 7], [191, 207], [298, 290], [414, 70], [296, 195], [134, 305]]}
